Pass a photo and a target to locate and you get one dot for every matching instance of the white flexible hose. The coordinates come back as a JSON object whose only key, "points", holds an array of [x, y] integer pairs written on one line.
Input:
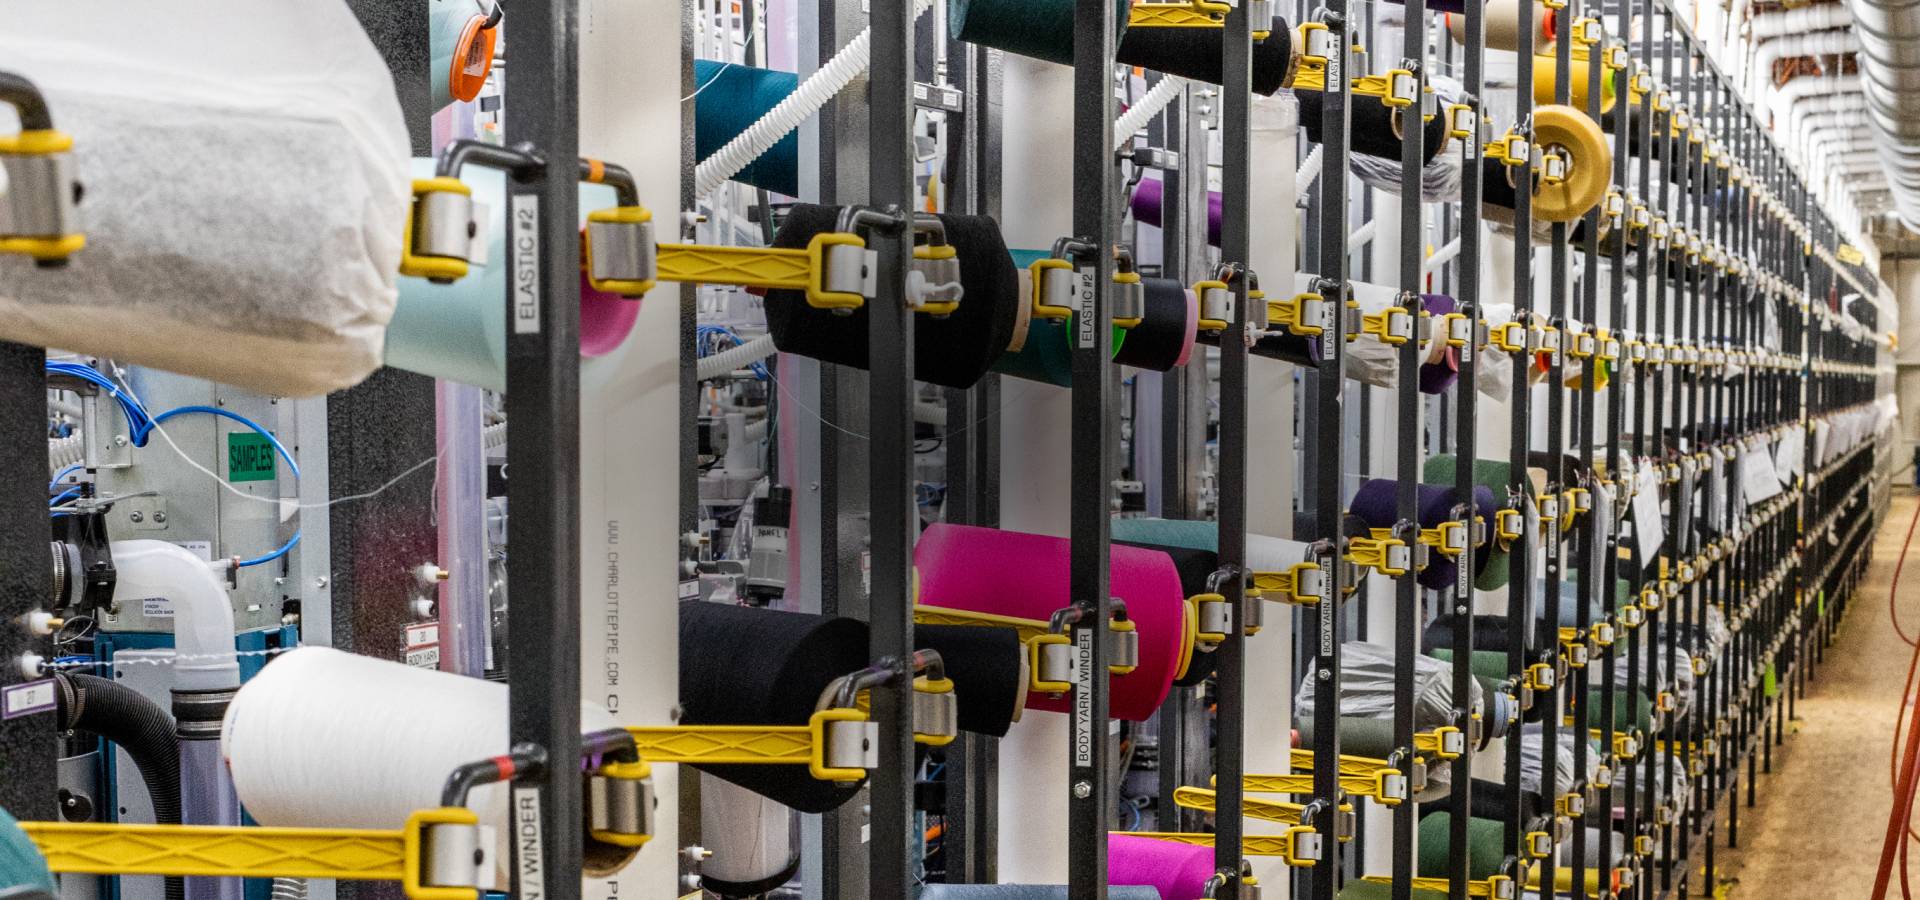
{"points": [[787, 115], [64, 452], [494, 436], [719, 364], [1149, 105], [1309, 170], [1442, 256]]}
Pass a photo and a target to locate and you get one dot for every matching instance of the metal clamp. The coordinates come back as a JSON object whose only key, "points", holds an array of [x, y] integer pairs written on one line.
{"points": [[1509, 525], [1300, 584], [1575, 647], [1216, 306], [437, 239], [1512, 148], [38, 216], [1541, 677]]}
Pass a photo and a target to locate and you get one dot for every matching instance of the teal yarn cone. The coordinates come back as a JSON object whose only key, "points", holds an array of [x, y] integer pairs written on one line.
{"points": [[1041, 29], [728, 98]]}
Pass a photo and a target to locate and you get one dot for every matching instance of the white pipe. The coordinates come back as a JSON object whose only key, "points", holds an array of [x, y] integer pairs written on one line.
{"points": [[1819, 17], [1442, 256], [1303, 179], [157, 572], [726, 361], [1797, 89], [821, 86], [1816, 43], [1361, 236], [1142, 111], [1814, 106]]}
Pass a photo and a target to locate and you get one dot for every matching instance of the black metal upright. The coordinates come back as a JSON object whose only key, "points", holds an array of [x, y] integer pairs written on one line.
{"points": [[543, 401], [1519, 486], [1466, 424], [1236, 238], [1095, 189], [890, 396], [1324, 463], [1410, 431]]}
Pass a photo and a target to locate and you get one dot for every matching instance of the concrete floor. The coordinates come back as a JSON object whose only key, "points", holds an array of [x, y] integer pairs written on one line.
{"points": [[1817, 827]]}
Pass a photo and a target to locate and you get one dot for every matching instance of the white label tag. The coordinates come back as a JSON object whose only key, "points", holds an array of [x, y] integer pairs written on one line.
{"points": [[156, 608], [423, 645], [26, 699], [202, 549], [529, 862], [523, 245], [1648, 530], [1083, 697], [1085, 320]]}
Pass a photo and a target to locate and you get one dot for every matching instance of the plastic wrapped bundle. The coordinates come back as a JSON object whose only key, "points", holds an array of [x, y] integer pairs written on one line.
{"points": [[1565, 776], [244, 198], [1366, 687]]}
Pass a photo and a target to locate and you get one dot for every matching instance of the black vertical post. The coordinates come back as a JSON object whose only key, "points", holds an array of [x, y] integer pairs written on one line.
{"points": [[27, 742], [1236, 135], [1520, 487], [1410, 430], [543, 402], [1466, 422], [890, 411], [1325, 461], [1095, 187]]}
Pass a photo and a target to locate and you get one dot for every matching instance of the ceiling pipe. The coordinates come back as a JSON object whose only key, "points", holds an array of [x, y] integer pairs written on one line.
{"points": [[1888, 32], [1798, 116], [1818, 17], [1795, 90], [1786, 46]]}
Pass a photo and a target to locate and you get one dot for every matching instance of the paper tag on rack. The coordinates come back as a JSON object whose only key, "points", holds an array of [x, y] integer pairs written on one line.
{"points": [[1648, 529]]}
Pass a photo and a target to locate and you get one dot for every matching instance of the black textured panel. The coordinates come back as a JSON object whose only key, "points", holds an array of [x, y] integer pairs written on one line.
{"points": [[375, 431], [27, 743], [399, 32]]}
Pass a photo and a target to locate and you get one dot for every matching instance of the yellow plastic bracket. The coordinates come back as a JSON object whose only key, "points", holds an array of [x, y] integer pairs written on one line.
{"points": [[1510, 337], [1028, 629], [1176, 15], [1511, 148], [1541, 677], [102, 848], [1393, 325], [1300, 314], [757, 267], [1497, 887], [1389, 556], [1293, 585], [1508, 525], [1444, 742], [1203, 799], [1386, 785], [439, 268]]}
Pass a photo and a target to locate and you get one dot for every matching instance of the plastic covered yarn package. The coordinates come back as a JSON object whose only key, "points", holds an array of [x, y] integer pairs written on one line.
{"points": [[1366, 687], [1565, 776], [244, 197]]}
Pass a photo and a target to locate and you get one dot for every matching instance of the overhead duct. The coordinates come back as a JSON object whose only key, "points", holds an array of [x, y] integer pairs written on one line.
{"points": [[1795, 90], [1788, 46], [1819, 17], [1798, 117], [1888, 32]]}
